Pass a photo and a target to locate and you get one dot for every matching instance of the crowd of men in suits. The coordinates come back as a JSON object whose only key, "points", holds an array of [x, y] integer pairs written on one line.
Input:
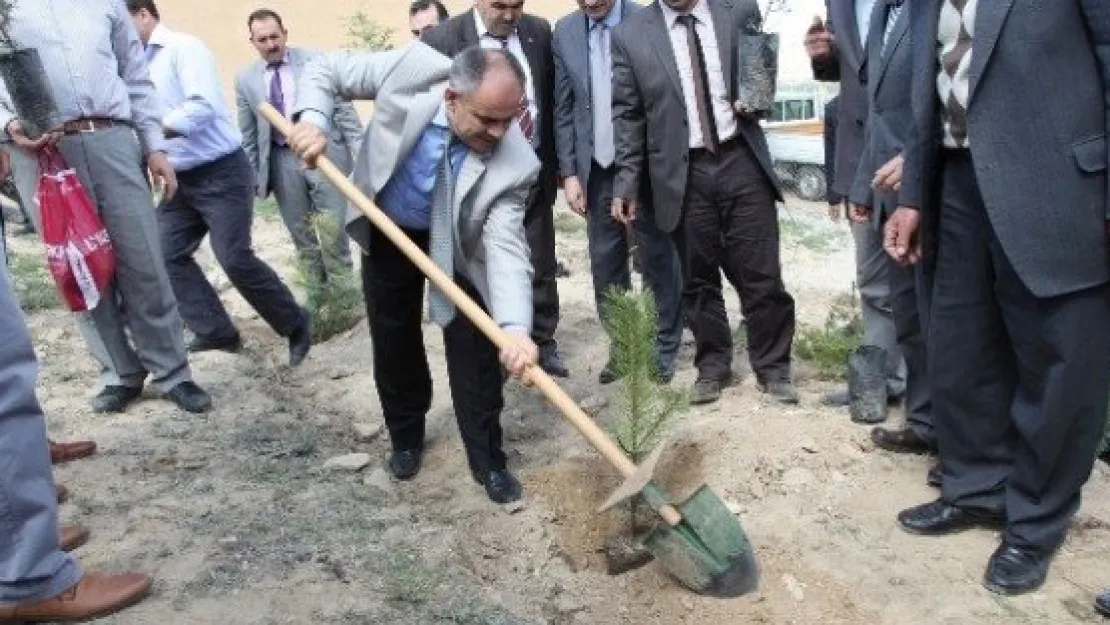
{"points": [[986, 287]]}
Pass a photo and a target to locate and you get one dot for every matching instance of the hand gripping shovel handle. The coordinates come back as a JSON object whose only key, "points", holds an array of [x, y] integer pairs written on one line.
{"points": [[535, 375]]}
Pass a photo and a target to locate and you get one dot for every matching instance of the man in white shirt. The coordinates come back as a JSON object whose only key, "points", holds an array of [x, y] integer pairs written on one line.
{"points": [[215, 195]]}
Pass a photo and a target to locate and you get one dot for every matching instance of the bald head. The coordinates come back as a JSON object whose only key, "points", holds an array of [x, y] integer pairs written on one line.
{"points": [[484, 91]]}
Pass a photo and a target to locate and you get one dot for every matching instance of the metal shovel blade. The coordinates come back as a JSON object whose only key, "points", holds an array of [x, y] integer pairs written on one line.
{"points": [[709, 553]]}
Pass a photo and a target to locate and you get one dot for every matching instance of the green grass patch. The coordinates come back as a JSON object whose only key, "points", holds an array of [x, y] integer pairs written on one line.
{"points": [[336, 304], [267, 209], [827, 348], [33, 283]]}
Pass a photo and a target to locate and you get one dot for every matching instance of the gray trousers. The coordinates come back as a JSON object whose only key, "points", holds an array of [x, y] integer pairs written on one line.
{"points": [[32, 566], [302, 193], [873, 281], [609, 263], [108, 163]]}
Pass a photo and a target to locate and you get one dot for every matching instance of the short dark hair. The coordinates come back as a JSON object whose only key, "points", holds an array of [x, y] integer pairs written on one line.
{"points": [[469, 68], [134, 6], [262, 15], [422, 5]]}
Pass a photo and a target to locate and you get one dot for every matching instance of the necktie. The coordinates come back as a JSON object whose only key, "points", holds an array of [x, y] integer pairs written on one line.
{"points": [[701, 84], [527, 126], [277, 95], [601, 92], [441, 245]]}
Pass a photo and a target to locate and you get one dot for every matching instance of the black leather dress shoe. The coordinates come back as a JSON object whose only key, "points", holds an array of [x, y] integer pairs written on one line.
{"points": [[404, 464], [608, 375], [190, 397], [903, 441], [1014, 570], [115, 398], [552, 362], [230, 344], [300, 340], [501, 486], [938, 518], [1102, 603]]}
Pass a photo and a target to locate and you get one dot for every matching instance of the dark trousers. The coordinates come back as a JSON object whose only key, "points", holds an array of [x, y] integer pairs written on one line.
{"points": [[1019, 382], [217, 199], [730, 223], [394, 290], [609, 262], [539, 227]]}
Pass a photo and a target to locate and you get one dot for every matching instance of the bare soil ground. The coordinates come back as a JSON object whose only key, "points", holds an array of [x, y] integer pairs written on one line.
{"points": [[240, 523]]}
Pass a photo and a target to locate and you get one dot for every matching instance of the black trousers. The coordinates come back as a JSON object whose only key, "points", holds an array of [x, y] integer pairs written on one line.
{"points": [[730, 223], [217, 199], [1019, 382], [539, 227], [394, 290]]}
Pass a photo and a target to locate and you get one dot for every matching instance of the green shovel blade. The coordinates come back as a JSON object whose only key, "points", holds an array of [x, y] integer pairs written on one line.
{"points": [[709, 552]]}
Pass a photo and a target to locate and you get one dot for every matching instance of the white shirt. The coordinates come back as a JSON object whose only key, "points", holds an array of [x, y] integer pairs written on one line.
{"points": [[488, 41], [863, 19], [723, 112], [188, 86]]}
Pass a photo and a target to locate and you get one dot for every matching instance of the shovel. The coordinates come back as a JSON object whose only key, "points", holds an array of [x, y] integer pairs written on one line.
{"points": [[700, 543]]}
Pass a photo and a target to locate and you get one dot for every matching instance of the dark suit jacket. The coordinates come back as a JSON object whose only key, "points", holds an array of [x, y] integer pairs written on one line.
{"points": [[649, 113], [846, 66], [460, 32], [574, 119], [1038, 116], [889, 76], [832, 110]]}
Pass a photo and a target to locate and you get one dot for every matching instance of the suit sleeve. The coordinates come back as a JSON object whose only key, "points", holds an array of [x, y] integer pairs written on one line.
{"points": [[1097, 14], [860, 192], [341, 76], [828, 68], [508, 259], [248, 122], [346, 119], [629, 123], [564, 114], [439, 38], [146, 111], [831, 113]]}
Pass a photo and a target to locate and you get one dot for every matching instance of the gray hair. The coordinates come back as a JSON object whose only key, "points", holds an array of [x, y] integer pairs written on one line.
{"points": [[469, 68]]}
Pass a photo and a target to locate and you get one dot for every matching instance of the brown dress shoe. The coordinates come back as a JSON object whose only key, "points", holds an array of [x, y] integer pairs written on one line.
{"points": [[96, 595], [67, 452], [63, 493], [71, 537]]}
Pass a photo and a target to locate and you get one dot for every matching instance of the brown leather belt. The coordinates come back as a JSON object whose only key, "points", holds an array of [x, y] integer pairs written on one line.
{"points": [[88, 124]]}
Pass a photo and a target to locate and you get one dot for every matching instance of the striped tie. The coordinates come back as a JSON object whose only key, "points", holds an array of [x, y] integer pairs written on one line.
{"points": [[527, 126], [441, 245]]}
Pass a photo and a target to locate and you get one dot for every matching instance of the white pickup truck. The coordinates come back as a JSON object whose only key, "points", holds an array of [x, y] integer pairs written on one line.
{"points": [[796, 138]]}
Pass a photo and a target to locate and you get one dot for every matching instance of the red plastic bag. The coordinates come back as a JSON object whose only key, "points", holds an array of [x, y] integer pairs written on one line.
{"points": [[78, 250]]}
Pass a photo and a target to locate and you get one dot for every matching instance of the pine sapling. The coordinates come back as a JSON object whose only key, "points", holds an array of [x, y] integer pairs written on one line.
{"points": [[335, 301]]}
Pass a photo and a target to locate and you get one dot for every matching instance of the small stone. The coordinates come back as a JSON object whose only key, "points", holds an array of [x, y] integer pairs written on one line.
{"points": [[567, 604], [810, 447], [797, 477], [734, 508], [378, 478], [687, 603], [897, 581], [622, 554], [368, 432], [349, 462], [513, 507], [793, 586], [339, 374], [594, 404]]}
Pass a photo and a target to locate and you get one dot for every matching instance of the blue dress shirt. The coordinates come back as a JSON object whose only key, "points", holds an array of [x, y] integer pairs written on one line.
{"points": [[407, 197], [185, 78]]}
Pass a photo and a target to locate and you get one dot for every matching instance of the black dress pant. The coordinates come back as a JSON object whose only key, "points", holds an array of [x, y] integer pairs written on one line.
{"points": [[217, 199], [730, 223], [1019, 381], [394, 290], [539, 228]]}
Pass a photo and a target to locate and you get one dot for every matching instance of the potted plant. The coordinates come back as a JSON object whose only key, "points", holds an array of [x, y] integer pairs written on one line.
{"points": [[645, 407], [22, 71], [757, 64]]}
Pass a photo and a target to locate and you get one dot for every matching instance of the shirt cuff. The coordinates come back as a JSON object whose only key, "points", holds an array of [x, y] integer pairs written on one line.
{"points": [[314, 117], [513, 327], [177, 121]]}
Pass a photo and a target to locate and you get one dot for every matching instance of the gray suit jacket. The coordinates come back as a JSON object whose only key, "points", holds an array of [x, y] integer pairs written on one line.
{"points": [[649, 113], [574, 120], [1038, 136], [846, 65], [251, 90], [407, 87], [889, 76]]}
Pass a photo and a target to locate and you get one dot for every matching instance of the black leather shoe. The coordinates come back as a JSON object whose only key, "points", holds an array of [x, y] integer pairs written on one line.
{"points": [[231, 344], [501, 486], [1016, 570], [1102, 603], [706, 391], [300, 340], [404, 464], [190, 398], [937, 518], [115, 398], [607, 375], [782, 391], [904, 441], [552, 362]]}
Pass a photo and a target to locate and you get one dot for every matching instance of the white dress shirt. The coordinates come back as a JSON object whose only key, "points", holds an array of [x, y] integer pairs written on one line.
{"points": [[488, 41], [723, 112], [863, 19], [188, 87]]}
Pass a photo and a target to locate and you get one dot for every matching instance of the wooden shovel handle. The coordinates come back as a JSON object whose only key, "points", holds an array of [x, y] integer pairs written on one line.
{"points": [[534, 375]]}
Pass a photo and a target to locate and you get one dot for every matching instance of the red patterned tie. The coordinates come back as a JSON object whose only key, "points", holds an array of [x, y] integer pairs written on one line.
{"points": [[524, 117]]}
